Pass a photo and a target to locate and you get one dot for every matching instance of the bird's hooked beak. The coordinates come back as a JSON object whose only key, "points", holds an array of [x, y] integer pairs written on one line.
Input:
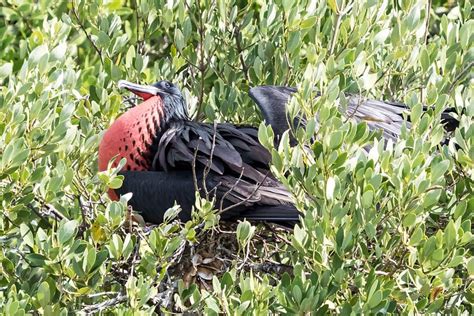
{"points": [[143, 91]]}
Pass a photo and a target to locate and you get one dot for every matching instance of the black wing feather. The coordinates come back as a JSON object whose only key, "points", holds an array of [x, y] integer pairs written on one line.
{"points": [[239, 170]]}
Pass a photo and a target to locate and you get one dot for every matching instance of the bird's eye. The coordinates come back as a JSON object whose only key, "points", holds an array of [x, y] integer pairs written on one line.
{"points": [[167, 85]]}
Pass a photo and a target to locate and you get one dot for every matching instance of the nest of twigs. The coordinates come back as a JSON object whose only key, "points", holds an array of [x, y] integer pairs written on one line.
{"points": [[218, 251]]}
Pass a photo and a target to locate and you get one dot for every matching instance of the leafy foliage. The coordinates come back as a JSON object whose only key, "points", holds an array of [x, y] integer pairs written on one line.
{"points": [[387, 226]]}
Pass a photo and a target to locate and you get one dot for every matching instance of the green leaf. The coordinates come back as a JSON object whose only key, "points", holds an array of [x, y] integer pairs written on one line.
{"points": [[66, 231], [43, 294], [375, 299], [460, 209], [297, 294], [431, 198], [450, 235], [6, 70], [416, 237], [90, 257], [35, 259], [179, 39], [258, 67], [333, 5], [37, 54], [438, 170], [335, 140], [116, 182], [381, 36], [293, 41], [308, 22], [300, 236], [368, 81], [59, 52], [187, 29], [245, 232], [409, 220], [103, 40], [330, 186], [470, 266], [367, 198], [425, 59], [287, 4], [171, 213]]}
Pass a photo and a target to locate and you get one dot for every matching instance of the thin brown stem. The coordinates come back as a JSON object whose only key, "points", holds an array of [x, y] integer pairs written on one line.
{"points": [[247, 198], [202, 65], [238, 42], [89, 38], [467, 69], [120, 298], [427, 24], [208, 166], [335, 33]]}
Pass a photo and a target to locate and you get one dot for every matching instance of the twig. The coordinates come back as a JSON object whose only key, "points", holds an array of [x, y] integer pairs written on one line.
{"points": [[86, 33], [335, 33], [84, 224], [51, 210], [120, 298], [164, 299], [193, 166], [137, 21], [130, 102], [427, 24], [247, 198], [9, 220], [100, 294], [460, 75], [230, 190], [359, 103], [135, 255], [382, 75], [208, 166], [202, 66], [238, 39], [339, 15], [463, 291]]}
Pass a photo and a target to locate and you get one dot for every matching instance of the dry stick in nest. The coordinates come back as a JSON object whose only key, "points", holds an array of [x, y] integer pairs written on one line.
{"points": [[259, 185], [360, 99], [228, 192], [205, 173], [193, 167], [208, 166]]}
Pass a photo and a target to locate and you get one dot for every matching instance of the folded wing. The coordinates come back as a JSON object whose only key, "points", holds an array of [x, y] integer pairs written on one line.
{"points": [[234, 163]]}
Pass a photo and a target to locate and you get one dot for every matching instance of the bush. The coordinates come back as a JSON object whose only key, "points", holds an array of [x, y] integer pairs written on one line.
{"points": [[387, 231]]}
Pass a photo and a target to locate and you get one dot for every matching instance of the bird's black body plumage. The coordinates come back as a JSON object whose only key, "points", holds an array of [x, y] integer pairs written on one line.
{"points": [[157, 191], [226, 162]]}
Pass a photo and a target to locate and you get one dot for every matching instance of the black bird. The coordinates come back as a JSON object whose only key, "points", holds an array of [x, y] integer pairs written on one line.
{"points": [[168, 155], [379, 115]]}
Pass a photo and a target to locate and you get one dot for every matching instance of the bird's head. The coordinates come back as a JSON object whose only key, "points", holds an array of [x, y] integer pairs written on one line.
{"points": [[173, 99]]}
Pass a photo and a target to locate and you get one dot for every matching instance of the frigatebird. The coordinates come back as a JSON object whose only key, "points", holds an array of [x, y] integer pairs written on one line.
{"points": [[386, 116], [169, 157]]}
